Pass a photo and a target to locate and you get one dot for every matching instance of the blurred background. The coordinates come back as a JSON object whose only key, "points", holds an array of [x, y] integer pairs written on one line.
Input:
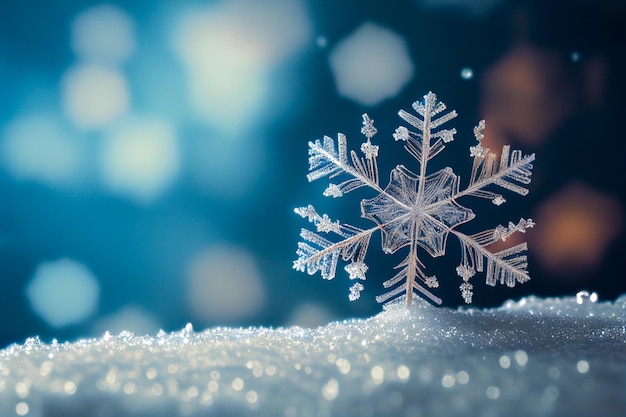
{"points": [[152, 152]]}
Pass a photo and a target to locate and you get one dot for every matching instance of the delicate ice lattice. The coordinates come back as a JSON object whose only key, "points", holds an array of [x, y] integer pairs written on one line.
{"points": [[535, 357], [418, 211]]}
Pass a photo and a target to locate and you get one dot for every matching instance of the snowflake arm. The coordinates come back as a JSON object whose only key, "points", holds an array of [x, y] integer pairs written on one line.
{"points": [[325, 160], [427, 144], [317, 253], [507, 266], [410, 272], [478, 150], [513, 169]]}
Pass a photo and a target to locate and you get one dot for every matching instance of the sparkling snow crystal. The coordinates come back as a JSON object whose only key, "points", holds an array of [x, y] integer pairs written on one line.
{"points": [[415, 210]]}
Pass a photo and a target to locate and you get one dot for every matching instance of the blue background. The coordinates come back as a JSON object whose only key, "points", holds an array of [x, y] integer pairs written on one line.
{"points": [[140, 250]]}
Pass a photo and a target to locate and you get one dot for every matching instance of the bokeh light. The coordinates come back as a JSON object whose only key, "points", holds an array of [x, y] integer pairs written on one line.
{"points": [[310, 315], [103, 34], [467, 73], [63, 292], [371, 64], [224, 284], [577, 225], [40, 148], [94, 95], [525, 97], [321, 42], [229, 50], [140, 158], [129, 318]]}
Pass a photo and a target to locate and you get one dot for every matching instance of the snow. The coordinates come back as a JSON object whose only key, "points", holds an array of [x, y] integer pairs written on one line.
{"points": [[539, 357]]}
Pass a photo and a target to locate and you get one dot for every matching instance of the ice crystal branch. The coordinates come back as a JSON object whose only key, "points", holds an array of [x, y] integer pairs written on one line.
{"points": [[414, 211]]}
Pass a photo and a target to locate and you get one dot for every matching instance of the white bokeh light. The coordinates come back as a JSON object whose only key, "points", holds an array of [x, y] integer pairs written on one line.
{"points": [[371, 65], [140, 158], [38, 147], [63, 292], [467, 73], [310, 315], [229, 50], [94, 95], [103, 34], [130, 318], [224, 283]]}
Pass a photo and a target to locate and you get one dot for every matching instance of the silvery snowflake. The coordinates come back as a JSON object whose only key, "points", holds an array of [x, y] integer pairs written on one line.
{"points": [[416, 210]]}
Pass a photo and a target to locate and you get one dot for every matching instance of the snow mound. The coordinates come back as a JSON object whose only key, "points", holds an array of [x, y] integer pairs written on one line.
{"points": [[539, 357]]}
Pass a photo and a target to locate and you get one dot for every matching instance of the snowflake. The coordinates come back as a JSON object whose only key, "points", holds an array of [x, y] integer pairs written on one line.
{"points": [[414, 211]]}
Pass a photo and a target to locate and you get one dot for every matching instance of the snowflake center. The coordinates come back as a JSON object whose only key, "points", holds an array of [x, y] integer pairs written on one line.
{"points": [[405, 216]]}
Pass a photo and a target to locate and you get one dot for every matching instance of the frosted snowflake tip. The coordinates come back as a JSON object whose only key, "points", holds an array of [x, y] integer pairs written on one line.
{"points": [[370, 151], [465, 271], [333, 191], [368, 128], [502, 233], [432, 282], [498, 200], [306, 212], [355, 291], [325, 225], [466, 292], [401, 133], [356, 270], [478, 130], [477, 151]]}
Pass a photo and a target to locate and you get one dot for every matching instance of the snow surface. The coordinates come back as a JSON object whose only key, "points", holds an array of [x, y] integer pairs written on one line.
{"points": [[534, 357]]}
